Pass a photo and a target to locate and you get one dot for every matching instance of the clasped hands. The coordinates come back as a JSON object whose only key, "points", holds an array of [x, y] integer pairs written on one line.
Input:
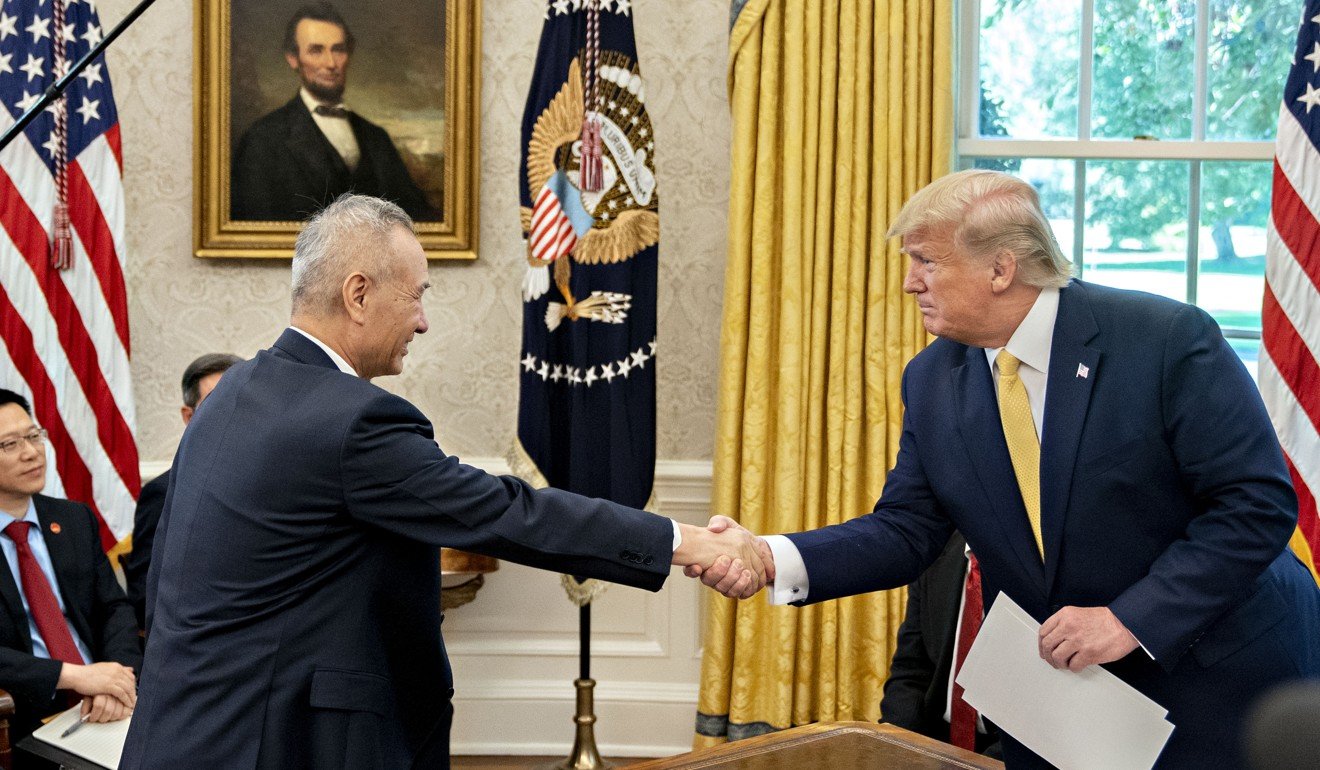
{"points": [[109, 690], [726, 557]]}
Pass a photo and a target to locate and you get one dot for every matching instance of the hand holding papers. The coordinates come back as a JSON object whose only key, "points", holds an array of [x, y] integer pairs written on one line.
{"points": [[1088, 719]]}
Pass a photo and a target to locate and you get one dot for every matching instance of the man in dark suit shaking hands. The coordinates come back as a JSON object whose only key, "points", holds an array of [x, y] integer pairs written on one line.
{"points": [[294, 589], [66, 628], [296, 159], [1108, 459]]}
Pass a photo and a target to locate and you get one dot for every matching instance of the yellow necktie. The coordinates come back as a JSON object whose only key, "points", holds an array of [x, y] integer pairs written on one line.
{"points": [[1020, 433]]}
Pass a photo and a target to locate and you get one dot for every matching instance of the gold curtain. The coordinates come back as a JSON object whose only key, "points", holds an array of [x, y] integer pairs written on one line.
{"points": [[841, 110]]}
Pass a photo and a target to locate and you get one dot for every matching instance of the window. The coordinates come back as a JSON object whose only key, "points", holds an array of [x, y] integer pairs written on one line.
{"points": [[1148, 128]]}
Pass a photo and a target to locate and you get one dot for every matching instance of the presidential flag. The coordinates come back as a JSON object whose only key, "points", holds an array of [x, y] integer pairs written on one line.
{"points": [[1289, 374], [63, 310], [586, 409]]}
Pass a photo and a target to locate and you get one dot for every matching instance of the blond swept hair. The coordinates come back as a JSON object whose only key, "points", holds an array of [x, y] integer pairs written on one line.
{"points": [[989, 212]]}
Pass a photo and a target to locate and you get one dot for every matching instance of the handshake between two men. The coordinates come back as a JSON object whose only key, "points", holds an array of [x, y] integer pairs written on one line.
{"points": [[726, 557]]}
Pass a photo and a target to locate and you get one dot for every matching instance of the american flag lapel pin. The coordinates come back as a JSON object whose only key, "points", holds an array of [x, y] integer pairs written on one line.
{"points": [[55, 527], [1083, 370]]}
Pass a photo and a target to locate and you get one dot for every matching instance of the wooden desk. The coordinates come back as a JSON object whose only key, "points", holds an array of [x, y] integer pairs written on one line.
{"points": [[835, 744]]}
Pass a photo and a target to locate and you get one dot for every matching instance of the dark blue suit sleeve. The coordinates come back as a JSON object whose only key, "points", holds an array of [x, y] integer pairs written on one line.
{"points": [[1230, 463], [886, 548], [398, 479], [137, 561]]}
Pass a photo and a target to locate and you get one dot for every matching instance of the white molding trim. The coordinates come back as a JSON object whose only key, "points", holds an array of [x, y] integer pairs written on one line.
{"points": [[476, 643], [554, 690], [459, 748]]}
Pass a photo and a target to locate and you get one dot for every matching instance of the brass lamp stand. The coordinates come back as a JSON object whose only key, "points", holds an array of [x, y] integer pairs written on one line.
{"points": [[584, 755]]}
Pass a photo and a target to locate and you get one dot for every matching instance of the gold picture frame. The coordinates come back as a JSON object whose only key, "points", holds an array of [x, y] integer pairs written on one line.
{"points": [[448, 163]]}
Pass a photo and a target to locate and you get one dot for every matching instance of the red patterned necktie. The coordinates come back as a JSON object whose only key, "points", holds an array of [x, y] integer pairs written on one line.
{"points": [[962, 725], [41, 599]]}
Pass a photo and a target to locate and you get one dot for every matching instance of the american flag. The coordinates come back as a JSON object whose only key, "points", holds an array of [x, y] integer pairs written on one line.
{"points": [[65, 330], [1289, 373]]}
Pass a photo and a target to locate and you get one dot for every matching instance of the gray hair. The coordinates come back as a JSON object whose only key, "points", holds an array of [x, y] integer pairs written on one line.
{"points": [[989, 212], [342, 238]]}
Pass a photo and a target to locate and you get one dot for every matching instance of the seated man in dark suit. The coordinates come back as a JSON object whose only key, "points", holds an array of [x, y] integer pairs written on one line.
{"points": [[199, 379], [296, 159], [68, 630], [919, 694]]}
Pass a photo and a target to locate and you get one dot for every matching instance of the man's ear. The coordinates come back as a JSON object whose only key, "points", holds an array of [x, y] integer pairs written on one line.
{"points": [[1005, 270], [356, 289], [186, 412], [292, 59]]}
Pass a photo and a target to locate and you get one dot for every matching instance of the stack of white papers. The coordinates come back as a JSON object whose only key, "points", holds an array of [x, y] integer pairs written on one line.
{"points": [[1076, 721]]}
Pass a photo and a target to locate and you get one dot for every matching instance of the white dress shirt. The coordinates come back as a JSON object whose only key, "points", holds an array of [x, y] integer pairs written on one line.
{"points": [[337, 130], [37, 544]]}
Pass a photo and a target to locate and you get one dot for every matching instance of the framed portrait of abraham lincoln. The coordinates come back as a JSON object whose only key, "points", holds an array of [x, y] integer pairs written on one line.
{"points": [[301, 101]]}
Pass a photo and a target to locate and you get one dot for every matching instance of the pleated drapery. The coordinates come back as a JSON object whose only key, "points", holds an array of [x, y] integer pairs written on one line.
{"points": [[841, 110]]}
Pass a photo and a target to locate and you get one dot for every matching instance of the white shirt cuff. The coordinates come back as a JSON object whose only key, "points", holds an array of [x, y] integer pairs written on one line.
{"points": [[790, 572], [678, 535]]}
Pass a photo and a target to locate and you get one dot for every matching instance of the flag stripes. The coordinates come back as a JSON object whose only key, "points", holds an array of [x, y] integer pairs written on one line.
{"points": [[65, 333]]}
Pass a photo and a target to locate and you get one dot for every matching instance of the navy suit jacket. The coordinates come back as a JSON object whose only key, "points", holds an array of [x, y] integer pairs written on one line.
{"points": [[285, 168], [138, 560], [1164, 496], [294, 591], [93, 602]]}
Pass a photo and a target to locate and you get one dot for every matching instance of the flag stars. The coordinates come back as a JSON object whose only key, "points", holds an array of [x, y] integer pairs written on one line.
{"points": [[27, 101], [561, 7], [622, 7], [39, 28], [92, 35], [66, 33], [1311, 98], [5, 66], [33, 67], [573, 375], [8, 26], [92, 74], [90, 110], [1314, 58], [51, 145]]}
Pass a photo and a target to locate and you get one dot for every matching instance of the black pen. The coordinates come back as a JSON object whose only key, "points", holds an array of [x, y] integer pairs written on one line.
{"points": [[82, 720]]}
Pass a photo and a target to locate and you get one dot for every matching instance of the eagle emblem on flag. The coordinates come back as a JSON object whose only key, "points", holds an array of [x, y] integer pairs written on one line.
{"points": [[590, 216]]}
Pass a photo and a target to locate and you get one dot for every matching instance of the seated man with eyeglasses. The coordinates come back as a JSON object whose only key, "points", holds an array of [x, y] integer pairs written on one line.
{"points": [[67, 631]]}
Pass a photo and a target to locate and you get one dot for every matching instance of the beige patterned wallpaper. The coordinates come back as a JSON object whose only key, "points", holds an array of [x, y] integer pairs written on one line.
{"points": [[463, 372]]}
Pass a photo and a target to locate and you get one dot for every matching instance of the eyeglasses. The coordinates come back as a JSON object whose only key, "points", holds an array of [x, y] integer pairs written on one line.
{"points": [[36, 438]]}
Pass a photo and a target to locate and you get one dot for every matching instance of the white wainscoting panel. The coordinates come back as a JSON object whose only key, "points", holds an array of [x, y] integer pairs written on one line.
{"points": [[514, 651]]}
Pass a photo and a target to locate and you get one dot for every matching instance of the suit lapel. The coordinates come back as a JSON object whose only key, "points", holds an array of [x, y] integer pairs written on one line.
{"points": [[1073, 370], [978, 422], [59, 537], [310, 145], [14, 604]]}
